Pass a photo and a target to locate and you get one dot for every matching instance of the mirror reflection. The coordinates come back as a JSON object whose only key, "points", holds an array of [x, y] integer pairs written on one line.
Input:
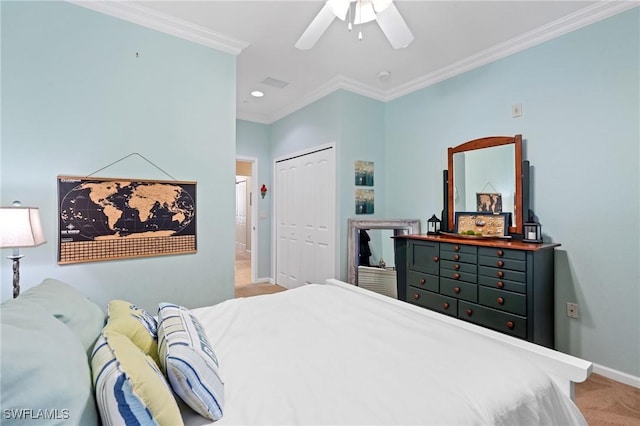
{"points": [[485, 180], [371, 252]]}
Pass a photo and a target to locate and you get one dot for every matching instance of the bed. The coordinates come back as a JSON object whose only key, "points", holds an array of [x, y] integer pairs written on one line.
{"points": [[329, 353]]}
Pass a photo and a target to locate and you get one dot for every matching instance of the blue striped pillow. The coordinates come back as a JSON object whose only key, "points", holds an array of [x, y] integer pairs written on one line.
{"points": [[130, 389], [189, 361]]}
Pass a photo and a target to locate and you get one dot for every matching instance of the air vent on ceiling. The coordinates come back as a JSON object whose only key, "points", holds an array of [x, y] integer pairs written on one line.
{"points": [[275, 82]]}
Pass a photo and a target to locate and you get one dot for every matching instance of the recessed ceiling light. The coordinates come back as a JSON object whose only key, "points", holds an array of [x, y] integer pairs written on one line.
{"points": [[257, 94]]}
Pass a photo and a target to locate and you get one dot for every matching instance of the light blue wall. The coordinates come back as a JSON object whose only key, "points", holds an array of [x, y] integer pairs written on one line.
{"points": [[75, 98], [252, 140], [356, 125], [580, 102]]}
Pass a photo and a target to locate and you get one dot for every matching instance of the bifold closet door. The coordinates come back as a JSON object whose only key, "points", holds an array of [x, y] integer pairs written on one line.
{"points": [[305, 217]]}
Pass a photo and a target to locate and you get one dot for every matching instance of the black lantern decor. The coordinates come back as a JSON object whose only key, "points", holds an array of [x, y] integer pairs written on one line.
{"points": [[532, 232], [433, 225]]}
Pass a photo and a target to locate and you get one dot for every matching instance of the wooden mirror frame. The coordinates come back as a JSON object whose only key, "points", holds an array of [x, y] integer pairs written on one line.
{"points": [[489, 142]]}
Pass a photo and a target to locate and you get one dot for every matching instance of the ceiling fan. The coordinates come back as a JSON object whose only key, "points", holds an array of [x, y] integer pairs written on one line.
{"points": [[384, 12]]}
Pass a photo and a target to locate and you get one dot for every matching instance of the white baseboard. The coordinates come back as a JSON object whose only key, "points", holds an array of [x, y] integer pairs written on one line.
{"points": [[264, 280], [616, 375]]}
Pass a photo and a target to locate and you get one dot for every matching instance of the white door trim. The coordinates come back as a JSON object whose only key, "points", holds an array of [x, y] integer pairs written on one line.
{"points": [[254, 214], [274, 219]]}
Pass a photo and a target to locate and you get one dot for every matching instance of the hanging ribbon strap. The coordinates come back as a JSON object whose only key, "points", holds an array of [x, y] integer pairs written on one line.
{"points": [[127, 156]]}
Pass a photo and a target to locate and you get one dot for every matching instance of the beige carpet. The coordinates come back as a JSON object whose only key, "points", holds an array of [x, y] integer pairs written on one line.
{"points": [[243, 285], [606, 402]]}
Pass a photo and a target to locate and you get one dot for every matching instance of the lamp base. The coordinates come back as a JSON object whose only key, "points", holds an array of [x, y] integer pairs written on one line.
{"points": [[16, 274]]}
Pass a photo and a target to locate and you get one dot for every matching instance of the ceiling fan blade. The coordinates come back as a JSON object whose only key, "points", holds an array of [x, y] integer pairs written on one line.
{"points": [[394, 27], [316, 28]]}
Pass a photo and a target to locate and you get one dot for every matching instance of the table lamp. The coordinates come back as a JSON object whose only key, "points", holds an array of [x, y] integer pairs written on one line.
{"points": [[19, 227]]}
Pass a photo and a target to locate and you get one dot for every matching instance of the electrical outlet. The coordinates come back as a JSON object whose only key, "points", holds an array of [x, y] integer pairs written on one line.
{"points": [[572, 310], [516, 110]]}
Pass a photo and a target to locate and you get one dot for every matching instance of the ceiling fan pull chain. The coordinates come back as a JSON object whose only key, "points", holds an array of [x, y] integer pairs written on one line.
{"points": [[359, 4]]}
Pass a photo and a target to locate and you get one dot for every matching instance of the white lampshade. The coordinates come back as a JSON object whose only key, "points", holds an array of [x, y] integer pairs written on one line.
{"points": [[20, 227]]}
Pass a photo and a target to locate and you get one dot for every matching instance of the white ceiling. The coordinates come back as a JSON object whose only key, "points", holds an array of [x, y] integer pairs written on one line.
{"points": [[450, 37]]}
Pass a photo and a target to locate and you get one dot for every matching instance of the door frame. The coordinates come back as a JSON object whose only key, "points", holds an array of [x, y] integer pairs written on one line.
{"points": [[254, 213], [274, 222]]}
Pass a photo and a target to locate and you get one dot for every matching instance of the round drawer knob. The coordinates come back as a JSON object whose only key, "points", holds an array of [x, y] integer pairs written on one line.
{"points": [[500, 253], [500, 263], [456, 248], [469, 312], [416, 296], [500, 274], [456, 290], [500, 301], [456, 257], [510, 325], [436, 258], [445, 305], [500, 284], [456, 266], [456, 276], [422, 281]]}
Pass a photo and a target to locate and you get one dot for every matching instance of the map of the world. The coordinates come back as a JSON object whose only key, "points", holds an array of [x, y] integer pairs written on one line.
{"points": [[114, 218]]}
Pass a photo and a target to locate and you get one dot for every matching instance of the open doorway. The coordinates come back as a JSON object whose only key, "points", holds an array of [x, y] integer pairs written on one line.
{"points": [[244, 226]]}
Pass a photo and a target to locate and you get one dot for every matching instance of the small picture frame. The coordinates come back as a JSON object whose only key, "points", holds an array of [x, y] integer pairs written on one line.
{"points": [[481, 225], [365, 201], [489, 202], [364, 173]]}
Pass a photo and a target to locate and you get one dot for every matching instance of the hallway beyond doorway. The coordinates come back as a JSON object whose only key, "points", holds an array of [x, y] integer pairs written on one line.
{"points": [[243, 285]]}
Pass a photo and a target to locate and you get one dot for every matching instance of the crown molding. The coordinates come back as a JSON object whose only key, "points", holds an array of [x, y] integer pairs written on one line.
{"points": [[336, 83], [586, 16], [583, 17], [164, 23], [140, 15], [253, 117]]}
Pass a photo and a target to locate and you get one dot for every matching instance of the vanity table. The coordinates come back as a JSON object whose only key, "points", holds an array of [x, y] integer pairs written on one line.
{"points": [[500, 283]]}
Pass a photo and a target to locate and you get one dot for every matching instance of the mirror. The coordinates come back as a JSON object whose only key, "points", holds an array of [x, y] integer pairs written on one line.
{"points": [[380, 243], [485, 175]]}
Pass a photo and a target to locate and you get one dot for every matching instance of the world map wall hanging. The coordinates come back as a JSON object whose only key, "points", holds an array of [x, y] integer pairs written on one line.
{"points": [[116, 218]]}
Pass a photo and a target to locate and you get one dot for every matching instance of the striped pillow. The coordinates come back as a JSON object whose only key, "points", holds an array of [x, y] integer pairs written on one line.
{"points": [[135, 323], [129, 387], [189, 361]]}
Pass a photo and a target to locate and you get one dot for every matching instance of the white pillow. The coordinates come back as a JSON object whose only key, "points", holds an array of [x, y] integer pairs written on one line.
{"points": [[189, 361]]}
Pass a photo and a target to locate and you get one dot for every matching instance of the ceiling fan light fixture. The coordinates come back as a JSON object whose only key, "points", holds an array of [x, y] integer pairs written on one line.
{"points": [[364, 12], [339, 8], [380, 5]]}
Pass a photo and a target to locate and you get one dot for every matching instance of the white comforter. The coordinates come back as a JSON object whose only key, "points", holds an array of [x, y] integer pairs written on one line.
{"points": [[324, 355]]}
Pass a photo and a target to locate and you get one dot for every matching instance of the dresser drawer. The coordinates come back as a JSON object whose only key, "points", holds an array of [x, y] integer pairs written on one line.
{"points": [[459, 276], [433, 301], [424, 281], [423, 256], [495, 282], [503, 300], [459, 248], [458, 267], [459, 290], [496, 262], [471, 258], [503, 274], [502, 253], [501, 321]]}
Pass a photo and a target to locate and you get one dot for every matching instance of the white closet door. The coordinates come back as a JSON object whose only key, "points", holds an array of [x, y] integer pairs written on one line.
{"points": [[305, 209]]}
